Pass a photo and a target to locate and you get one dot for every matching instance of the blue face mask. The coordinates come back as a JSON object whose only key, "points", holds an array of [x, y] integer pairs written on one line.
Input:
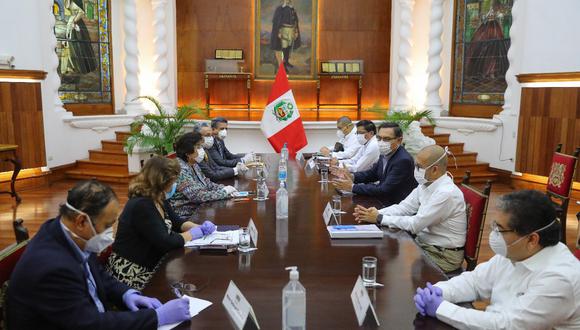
{"points": [[170, 194]]}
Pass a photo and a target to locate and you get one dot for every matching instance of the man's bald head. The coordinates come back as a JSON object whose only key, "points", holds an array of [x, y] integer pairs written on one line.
{"points": [[343, 121], [433, 158]]}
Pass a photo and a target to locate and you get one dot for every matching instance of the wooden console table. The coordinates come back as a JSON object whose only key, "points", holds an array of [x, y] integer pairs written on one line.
{"points": [[8, 154], [227, 76], [354, 77]]}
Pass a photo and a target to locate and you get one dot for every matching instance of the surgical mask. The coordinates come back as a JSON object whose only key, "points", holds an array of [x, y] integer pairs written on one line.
{"points": [[98, 242], [498, 245], [200, 155], [208, 142], [384, 147], [361, 139], [223, 133], [339, 134], [170, 193], [420, 172]]}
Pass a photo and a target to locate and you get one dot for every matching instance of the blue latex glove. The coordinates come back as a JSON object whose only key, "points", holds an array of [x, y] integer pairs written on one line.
{"points": [[196, 232], [207, 227], [435, 289], [419, 301], [432, 299], [173, 311], [135, 301]]}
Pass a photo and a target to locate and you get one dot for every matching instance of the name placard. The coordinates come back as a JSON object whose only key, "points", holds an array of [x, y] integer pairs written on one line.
{"points": [[362, 303], [238, 307], [327, 214], [253, 233]]}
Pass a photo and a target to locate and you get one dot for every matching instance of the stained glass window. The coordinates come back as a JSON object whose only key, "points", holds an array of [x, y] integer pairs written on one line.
{"points": [[84, 50], [481, 44]]}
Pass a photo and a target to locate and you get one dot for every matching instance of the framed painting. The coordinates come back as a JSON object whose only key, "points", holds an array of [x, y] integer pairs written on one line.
{"points": [[481, 42], [286, 33], [84, 51]]}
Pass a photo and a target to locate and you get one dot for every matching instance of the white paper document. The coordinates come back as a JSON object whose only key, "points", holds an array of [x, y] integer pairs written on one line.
{"points": [[231, 237], [195, 306]]}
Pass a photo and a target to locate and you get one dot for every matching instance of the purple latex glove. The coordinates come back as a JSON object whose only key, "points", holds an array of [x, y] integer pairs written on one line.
{"points": [[196, 232], [173, 311], [435, 289], [432, 297], [135, 301], [207, 227], [419, 302]]}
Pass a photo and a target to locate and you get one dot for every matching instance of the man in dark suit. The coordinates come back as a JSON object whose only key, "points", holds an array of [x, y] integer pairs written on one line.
{"points": [[218, 152], [58, 283], [390, 179], [208, 166]]}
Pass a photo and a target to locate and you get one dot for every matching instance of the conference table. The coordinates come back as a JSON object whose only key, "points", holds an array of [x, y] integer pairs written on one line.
{"points": [[328, 267]]}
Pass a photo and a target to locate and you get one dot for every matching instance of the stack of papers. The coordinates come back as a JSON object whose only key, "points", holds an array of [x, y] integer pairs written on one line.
{"points": [[355, 231], [217, 238], [195, 306]]}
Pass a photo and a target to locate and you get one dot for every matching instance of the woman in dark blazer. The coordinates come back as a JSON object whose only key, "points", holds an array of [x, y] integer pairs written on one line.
{"points": [[148, 228]]}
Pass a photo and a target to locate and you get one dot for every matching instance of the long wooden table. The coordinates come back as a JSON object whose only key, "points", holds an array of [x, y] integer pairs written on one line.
{"points": [[328, 268]]}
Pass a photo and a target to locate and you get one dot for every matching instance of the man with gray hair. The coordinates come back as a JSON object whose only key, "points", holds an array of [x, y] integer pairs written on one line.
{"points": [[347, 145], [209, 167], [434, 211]]}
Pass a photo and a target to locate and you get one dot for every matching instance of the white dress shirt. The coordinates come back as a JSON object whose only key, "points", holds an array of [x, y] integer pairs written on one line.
{"points": [[435, 213], [350, 144], [365, 158], [541, 292]]}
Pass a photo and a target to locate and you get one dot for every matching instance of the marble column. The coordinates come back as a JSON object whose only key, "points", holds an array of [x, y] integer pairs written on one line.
{"points": [[161, 63], [131, 59], [433, 100], [53, 78], [511, 95], [403, 101]]}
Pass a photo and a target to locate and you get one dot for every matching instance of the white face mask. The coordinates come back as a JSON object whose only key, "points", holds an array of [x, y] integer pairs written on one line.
{"points": [[208, 142], [498, 245], [420, 172], [200, 155], [98, 242], [339, 134], [361, 139], [223, 133], [384, 147]]}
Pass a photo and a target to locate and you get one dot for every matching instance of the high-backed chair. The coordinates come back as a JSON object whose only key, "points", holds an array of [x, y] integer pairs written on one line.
{"points": [[20, 232], [560, 183], [8, 259], [476, 207]]}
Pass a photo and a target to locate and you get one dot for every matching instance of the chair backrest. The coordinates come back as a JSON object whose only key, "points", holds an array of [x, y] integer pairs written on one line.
{"points": [[20, 231], [476, 207], [562, 173], [8, 259], [103, 257]]}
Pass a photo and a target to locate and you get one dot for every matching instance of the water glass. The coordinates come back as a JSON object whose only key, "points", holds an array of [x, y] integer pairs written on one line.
{"points": [[324, 174], [257, 158], [336, 204], [369, 270], [244, 239]]}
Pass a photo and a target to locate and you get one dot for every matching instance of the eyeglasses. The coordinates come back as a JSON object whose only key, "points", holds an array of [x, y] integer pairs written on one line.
{"points": [[494, 227]]}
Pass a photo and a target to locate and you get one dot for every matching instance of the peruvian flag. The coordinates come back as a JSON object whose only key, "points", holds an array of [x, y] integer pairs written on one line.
{"points": [[281, 122]]}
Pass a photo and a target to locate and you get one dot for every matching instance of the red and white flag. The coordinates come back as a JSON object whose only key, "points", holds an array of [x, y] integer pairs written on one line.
{"points": [[281, 122]]}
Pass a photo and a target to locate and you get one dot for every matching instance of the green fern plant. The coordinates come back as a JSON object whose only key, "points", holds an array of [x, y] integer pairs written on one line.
{"points": [[160, 130], [404, 118]]}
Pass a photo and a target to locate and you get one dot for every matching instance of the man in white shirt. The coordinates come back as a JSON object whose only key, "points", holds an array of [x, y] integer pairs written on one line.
{"points": [[533, 281], [434, 211], [346, 138], [368, 154]]}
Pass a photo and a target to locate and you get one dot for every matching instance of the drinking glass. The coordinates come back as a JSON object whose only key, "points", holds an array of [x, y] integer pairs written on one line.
{"points": [[336, 204], [369, 270], [324, 174], [244, 239]]}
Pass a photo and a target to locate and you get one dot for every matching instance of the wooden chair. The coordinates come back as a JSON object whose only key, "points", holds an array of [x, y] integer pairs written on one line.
{"points": [[560, 184], [476, 202], [8, 259], [20, 232]]}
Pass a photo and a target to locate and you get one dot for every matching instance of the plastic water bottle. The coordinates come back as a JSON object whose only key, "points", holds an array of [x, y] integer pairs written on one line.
{"points": [[281, 202], [293, 303], [284, 151], [282, 170]]}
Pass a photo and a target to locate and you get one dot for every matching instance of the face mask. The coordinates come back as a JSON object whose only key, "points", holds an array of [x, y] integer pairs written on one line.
{"points": [[498, 245], [361, 139], [200, 155], [420, 172], [170, 194], [339, 134], [208, 142], [384, 147], [223, 134], [98, 242]]}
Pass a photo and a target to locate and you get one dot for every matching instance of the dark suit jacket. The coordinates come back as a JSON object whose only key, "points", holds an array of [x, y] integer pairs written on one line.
{"points": [[221, 155], [395, 182], [48, 290], [214, 171]]}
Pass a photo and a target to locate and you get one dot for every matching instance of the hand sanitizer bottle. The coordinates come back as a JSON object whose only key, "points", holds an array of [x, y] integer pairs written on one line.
{"points": [[293, 303]]}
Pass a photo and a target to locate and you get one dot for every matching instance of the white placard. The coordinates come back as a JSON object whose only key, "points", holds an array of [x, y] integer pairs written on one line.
{"points": [[362, 302], [238, 307], [253, 232], [299, 156], [311, 164], [327, 214]]}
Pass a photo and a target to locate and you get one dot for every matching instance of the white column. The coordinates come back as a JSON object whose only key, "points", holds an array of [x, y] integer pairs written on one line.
{"points": [[433, 101], [131, 59], [161, 51], [404, 64], [511, 95], [53, 78]]}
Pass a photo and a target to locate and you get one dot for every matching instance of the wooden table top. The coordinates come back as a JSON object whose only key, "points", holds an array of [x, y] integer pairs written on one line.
{"points": [[328, 268]]}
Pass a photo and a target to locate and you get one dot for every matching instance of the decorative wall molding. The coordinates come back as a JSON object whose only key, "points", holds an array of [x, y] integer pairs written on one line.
{"points": [[161, 62], [53, 77], [100, 123], [404, 61], [512, 55], [548, 77], [467, 125], [433, 100]]}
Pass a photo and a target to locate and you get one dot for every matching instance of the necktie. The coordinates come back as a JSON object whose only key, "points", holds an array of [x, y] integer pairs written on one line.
{"points": [[93, 288]]}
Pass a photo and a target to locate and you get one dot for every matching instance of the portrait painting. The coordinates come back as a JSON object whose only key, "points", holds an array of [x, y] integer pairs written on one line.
{"points": [[84, 50], [286, 33], [482, 40]]}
